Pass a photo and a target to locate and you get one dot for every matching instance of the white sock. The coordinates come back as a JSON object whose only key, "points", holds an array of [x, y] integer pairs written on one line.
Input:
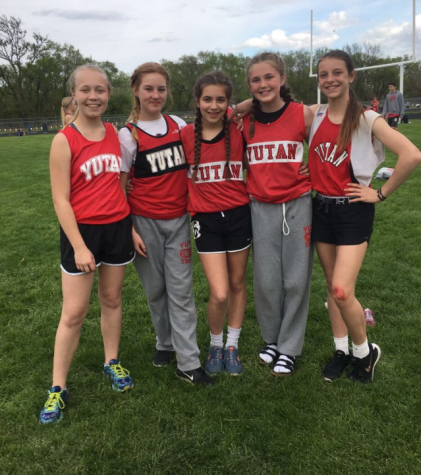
{"points": [[232, 337], [217, 340], [268, 358], [360, 351], [342, 344]]}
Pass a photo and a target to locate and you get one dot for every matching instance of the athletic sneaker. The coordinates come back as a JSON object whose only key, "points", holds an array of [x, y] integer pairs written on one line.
{"points": [[120, 378], [336, 366], [215, 361], [232, 363], [363, 368], [163, 358], [195, 376], [57, 400]]}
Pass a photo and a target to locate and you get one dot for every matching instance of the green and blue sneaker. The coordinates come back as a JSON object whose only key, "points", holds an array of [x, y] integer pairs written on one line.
{"points": [[57, 400], [232, 363], [120, 378]]}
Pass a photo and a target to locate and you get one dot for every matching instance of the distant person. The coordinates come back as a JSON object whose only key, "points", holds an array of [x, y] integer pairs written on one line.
{"points": [[393, 107], [375, 104], [68, 108], [20, 133]]}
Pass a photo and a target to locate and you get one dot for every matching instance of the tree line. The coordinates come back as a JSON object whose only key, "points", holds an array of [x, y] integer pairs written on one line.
{"points": [[34, 74]]}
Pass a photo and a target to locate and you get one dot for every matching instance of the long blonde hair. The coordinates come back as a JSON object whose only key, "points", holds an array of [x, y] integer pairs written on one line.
{"points": [[135, 82], [72, 82], [66, 104]]}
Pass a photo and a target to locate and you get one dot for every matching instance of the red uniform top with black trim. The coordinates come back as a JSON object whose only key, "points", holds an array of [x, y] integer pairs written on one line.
{"points": [[275, 154], [330, 169], [211, 192], [159, 174], [96, 196]]}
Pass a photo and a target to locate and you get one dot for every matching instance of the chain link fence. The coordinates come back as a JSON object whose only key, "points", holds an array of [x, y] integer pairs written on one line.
{"points": [[45, 125]]}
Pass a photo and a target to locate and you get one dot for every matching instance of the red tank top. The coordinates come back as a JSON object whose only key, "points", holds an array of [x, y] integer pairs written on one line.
{"points": [[96, 196], [211, 192], [330, 170], [275, 154], [159, 174]]}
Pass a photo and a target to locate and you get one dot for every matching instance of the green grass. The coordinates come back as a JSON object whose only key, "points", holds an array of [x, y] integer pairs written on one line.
{"points": [[255, 424]]}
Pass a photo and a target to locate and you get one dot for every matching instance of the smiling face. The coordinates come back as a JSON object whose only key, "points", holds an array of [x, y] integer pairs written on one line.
{"points": [[213, 104], [91, 92], [334, 78], [265, 83], [152, 93]]}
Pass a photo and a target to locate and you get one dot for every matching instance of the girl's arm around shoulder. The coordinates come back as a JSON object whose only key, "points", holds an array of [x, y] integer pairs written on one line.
{"points": [[60, 169], [409, 157], [308, 120]]}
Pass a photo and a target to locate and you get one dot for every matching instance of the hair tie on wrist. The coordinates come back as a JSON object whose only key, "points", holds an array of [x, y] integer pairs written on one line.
{"points": [[380, 195]]}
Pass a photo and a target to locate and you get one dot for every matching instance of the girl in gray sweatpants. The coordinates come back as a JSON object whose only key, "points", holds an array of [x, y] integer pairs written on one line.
{"points": [[281, 211]]}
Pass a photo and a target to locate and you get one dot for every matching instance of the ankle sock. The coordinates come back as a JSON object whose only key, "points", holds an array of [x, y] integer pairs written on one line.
{"points": [[342, 344], [217, 340], [232, 337], [361, 351]]}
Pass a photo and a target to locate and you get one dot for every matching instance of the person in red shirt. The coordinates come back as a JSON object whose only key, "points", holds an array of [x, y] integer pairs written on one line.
{"points": [[375, 104], [95, 231], [221, 221], [153, 155], [345, 147], [275, 132]]}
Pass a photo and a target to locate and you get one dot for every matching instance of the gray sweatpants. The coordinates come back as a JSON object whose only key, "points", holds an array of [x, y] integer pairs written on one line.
{"points": [[282, 266], [166, 275]]}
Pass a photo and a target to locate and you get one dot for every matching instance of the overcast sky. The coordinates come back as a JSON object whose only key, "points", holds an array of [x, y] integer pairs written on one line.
{"points": [[130, 33]]}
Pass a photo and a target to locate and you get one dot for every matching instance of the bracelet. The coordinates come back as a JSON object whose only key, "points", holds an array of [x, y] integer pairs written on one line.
{"points": [[380, 195]]}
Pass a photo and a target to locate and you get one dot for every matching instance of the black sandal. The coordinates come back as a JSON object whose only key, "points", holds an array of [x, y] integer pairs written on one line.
{"points": [[286, 362], [267, 350]]}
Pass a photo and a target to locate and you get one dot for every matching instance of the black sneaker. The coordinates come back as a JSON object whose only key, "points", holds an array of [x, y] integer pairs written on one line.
{"points": [[336, 366], [363, 368], [163, 358], [195, 376]]}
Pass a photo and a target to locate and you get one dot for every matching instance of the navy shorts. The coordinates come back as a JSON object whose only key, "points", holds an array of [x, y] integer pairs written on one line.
{"points": [[222, 231], [393, 121], [111, 244], [337, 221]]}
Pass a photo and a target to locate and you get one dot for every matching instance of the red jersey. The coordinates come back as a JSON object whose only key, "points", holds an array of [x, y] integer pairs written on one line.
{"points": [[96, 196], [275, 154], [211, 192], [330, 169], [159, 174]]}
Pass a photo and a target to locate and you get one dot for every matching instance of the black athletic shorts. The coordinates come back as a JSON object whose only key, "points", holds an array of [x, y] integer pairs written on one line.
{"points": [[337, 221], [111, 244], [223, 231], [393, 121]]}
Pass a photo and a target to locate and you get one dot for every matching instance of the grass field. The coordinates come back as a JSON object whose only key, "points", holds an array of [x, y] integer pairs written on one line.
{"points": [[256, 424]]}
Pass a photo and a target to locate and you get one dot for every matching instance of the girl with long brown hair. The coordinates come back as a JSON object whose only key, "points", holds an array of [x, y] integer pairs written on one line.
{"points": [[219, 205], [345, 148]]}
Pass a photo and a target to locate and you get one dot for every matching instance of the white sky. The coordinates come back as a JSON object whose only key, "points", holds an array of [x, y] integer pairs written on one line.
{"points": [[130, 33]]}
